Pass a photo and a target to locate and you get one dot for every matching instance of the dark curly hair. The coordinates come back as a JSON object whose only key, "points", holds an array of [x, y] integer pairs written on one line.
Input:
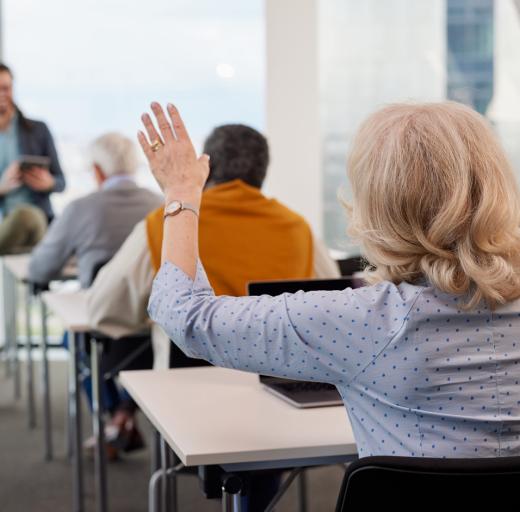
{"points": [[237, 152]]}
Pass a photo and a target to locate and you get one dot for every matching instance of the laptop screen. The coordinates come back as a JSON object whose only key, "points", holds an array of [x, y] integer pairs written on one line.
{"points": [[306, 285]]}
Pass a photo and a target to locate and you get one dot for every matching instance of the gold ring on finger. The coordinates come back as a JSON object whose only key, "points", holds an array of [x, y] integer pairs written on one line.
{"points": [[156, 145]]}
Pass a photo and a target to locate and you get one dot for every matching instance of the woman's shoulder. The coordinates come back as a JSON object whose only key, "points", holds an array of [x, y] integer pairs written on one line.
{"points": [[381, 300], [402, 291]]}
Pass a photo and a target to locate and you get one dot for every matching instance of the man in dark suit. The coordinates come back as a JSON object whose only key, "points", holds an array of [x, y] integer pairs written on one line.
{"points": [[21, 136]]}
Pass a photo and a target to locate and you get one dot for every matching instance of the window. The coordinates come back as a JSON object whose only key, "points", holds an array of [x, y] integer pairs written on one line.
{"points": [[375, 52], [93, 66]]}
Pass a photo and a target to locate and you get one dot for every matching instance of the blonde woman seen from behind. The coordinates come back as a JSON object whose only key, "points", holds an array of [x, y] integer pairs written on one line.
{"points": [[426, 357]]}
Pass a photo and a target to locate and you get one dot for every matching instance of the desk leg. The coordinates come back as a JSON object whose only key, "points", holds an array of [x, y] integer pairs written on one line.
{"points": [[13, 319], [154, 503], [30, 372], [68, 423], [46, 398], [153, 491], [96, 350], [75, 415], [165, 488], [10, 317], [8, 342], [155, 449], [231, 497], [172, 481], [302, 491]]}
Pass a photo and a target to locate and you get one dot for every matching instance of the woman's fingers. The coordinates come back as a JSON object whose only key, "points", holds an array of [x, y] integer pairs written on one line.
{"points": [[150, 129], [164, 125], [141, 137], [178, 124]]}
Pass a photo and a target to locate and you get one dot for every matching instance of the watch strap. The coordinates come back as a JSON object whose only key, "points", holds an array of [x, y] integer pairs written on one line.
{"points": [[183, 206]]}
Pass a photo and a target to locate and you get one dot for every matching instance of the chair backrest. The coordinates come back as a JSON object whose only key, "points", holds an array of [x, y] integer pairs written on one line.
{"points": [[133, 352], [406, 483], [96, 268], [349, 266], [178, 359]]}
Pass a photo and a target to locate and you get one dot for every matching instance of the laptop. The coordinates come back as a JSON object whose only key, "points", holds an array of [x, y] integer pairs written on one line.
{"points": [[301, 394]]}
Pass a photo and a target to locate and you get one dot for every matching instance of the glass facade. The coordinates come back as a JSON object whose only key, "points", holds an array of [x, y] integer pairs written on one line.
{"points": [[470, 42], [376, 52], [372, 53]]}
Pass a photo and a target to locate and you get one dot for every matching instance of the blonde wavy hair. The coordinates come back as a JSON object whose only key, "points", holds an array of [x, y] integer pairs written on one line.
{"points": [[435, 197]]}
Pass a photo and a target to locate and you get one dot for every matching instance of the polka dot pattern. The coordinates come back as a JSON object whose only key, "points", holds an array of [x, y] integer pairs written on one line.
{"points": [[419, 376]]}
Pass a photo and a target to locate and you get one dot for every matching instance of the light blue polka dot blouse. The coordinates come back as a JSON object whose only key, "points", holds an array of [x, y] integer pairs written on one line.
{"points": [[419, 376]]}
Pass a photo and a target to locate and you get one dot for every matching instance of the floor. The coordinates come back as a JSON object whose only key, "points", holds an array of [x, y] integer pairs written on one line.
{"points": [[27, 483]]}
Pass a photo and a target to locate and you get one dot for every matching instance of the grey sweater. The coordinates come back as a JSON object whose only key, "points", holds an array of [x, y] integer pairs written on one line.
{"points": [[92, 229]]}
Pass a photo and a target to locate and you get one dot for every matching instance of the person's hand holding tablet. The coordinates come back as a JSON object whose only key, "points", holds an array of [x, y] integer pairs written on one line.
{"points": [[11, 178], [34, 172]]}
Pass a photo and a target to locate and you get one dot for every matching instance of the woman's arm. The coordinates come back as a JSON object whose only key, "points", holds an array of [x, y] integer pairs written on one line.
{"points": [[181, 176], [322, 336]]}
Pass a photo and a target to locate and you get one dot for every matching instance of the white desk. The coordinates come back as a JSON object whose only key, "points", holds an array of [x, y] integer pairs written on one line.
{"points": [[17, 267], [215, 416], [218, 416], [70, 308]]}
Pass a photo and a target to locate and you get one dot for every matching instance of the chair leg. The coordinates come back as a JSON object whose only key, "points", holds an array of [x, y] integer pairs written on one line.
{"points": [[153, 491]]}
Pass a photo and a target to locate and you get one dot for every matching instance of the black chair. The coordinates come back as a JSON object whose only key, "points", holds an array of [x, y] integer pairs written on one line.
{"points": [[178, 359], [412, 483], [349, 266]]}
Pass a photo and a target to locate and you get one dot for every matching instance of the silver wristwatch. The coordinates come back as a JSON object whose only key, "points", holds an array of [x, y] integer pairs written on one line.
{"points": [[176, 207]]}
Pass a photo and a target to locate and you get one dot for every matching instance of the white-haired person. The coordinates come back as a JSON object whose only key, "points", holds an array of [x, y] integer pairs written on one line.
{"points": [[426, 357], [92, 229]]}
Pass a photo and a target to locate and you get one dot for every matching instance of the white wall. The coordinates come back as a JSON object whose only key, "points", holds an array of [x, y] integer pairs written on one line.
{"points": [[292, 107]]}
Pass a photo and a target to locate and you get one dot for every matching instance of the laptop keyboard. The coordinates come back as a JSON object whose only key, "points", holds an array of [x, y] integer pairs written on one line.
{"points": [[306, 386]]}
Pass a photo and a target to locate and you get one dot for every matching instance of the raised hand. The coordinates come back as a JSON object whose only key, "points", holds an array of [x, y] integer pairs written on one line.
{"points": [[171, 155]]}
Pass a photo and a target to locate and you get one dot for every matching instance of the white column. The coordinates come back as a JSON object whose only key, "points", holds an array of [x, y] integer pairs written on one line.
{"points": [[292, 104]]}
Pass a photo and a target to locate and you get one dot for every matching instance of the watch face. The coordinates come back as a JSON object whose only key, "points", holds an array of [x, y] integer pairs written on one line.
{"points": [[173, 207]]}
